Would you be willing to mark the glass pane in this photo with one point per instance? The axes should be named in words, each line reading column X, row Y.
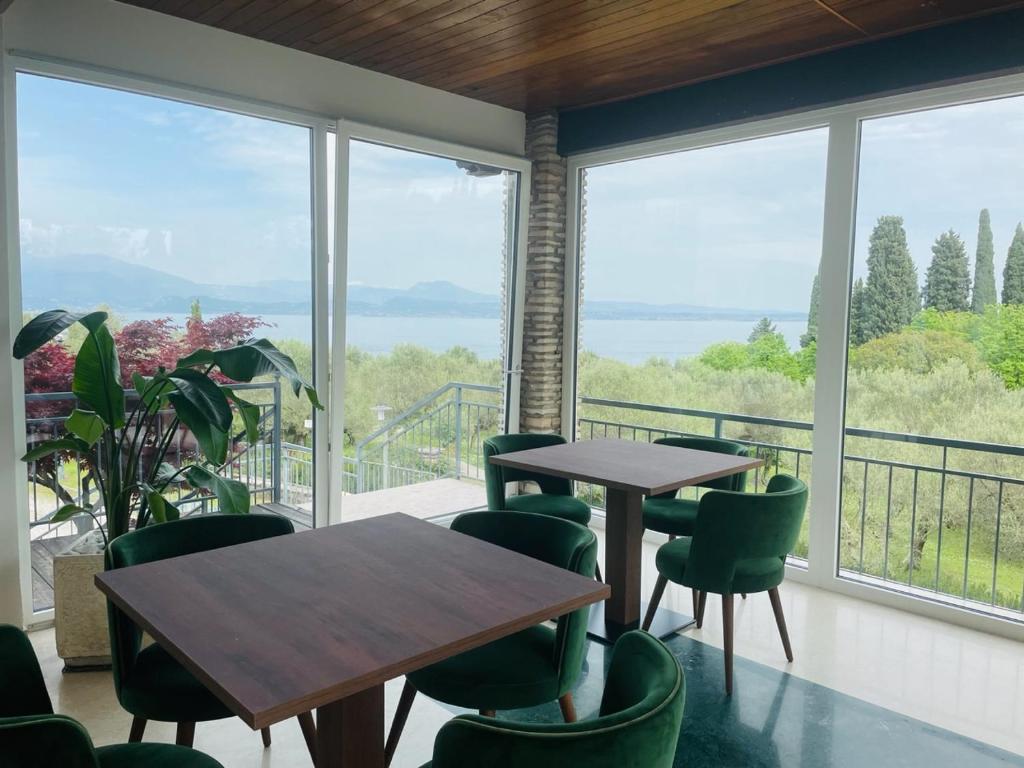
column 191, row 226
column 430, row 249
column 698, row 270
column 933, row 482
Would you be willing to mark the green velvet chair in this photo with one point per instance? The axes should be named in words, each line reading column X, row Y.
column 150, row 684
column 739, row 545
column 556, row 497
column 529, row 668
column 666, row 513
column 32, row 736
column 637, row 726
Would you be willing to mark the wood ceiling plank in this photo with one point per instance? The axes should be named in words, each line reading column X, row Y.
column 383, row 16
column 888, row 16
column 593, row 25
column 264, row 26
column 648, row 67
column 307, row 20
column 215, row 14
column 645, row 34
column 435, row 21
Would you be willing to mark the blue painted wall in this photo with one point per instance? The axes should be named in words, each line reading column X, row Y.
column 969, row 50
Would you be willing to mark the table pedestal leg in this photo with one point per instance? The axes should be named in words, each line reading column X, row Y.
column 624, row 536
column 350, row 732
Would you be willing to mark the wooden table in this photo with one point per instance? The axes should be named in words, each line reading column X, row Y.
column 629, row 470
column 322, row 619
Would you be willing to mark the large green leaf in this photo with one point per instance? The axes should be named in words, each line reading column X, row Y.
column 232, row 494
column 258, row 357
column 203, row 394
column 202, row 357
column 48, row 325
column 160, row 508
column 150, row 389
column 249, row 412
column 42, row 450
column 97, row 378
column 67, row 512
column 213, row 441
column 86, row 425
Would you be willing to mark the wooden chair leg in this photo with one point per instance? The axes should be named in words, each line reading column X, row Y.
column 727, row 627
column 568, row 708
column 701, row 603
column 488, row 713
column 743, row 595
column 652, row 607
column 186, row 734
column 780, row 620
column 308, row 726
column 138, row 728
column 597, row 572
column 398, row 724
column 695, row 594
column 265, row 733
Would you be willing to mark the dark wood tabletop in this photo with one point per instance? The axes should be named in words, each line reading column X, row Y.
column 628, row 465
column 281, row 626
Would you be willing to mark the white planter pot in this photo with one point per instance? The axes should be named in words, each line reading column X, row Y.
column 80, row 611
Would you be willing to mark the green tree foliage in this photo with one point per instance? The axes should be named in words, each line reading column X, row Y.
column 812, row 313
column 891, row 297
column 915, row 350
column 764, row 327
column 947, row 284
column 858, row 333
column 1000, row 336
column 984, row 292
column 767, row 351
column 1013, row 272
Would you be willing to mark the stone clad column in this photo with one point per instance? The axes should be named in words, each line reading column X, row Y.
column 541, row 395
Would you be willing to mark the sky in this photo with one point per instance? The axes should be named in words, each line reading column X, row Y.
column 222, row 198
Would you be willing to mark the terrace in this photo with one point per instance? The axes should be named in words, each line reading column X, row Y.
column 790, row 225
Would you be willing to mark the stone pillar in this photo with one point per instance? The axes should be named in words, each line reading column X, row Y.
column 541, row 395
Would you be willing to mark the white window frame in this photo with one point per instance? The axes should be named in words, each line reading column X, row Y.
column 16, row 63
column 348, row 131
column 843, row 158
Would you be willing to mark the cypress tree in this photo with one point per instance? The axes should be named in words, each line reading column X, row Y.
column 948, row 281
column 984, row 292
column 764, row 327
column 1013, row 272
column 812, row 313
column 890, row 298
column 857, row 314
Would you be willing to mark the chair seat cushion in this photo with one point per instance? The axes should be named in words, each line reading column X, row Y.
column 552, row 505
column 516, row 671
column 677, row 517
column 153, row 756
column 159, row 688
column 751, row 576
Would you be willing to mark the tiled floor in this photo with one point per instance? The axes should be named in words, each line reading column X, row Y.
column 858, row 654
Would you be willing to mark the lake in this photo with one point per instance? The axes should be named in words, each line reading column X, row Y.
column 632, row 341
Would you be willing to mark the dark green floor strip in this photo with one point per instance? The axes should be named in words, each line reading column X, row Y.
column 775, row 719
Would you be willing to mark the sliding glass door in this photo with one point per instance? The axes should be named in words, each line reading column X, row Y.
column 191, row 227
column 428, row 319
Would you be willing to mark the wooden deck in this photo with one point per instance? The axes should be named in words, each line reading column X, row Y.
column 434, row 498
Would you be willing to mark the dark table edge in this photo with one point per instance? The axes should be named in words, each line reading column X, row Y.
column 264, row 718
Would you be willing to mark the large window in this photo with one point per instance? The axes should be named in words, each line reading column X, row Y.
column 430, row 269
column 192, row 227
column 933, row 482
column 698, row 269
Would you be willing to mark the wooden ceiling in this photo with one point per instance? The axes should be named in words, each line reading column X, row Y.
column 533, row 55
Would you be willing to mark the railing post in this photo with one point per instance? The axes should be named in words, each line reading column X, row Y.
column 458, row 431
column 276, row 444
column 359, row 469
column 718, row 426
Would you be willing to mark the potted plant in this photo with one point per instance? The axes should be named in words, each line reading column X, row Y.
column 127, row 448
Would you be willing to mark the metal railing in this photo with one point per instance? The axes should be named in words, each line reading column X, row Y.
column 935, row 515
column 68, row 478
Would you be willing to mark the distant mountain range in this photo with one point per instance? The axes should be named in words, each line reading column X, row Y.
column 82, row 283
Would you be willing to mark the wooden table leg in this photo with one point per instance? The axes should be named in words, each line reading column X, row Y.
column 350, row 732
column 624, row 541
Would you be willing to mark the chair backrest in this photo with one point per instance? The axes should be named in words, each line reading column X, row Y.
column 553, row 540
column 737, row 482
column 45, row 740
column 734, row 527
column 180, row 537
column 638, row 726
column 497, row 477
column 22, row 688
